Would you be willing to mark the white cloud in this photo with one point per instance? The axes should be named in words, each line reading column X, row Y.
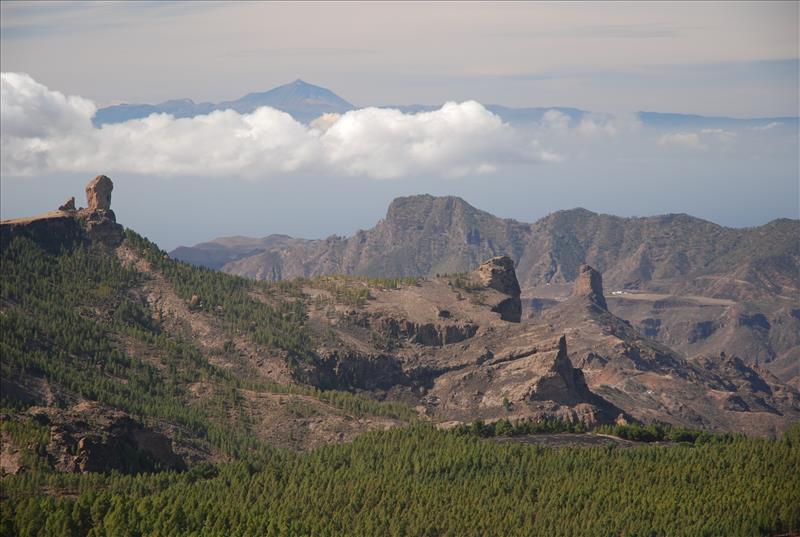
column 722, row 136
column 31, row 110
column 44, row 131
column 594, row 125
column 686, row 140
column 700, row 141
column 768, row 126
column 556, row 122
column 458, row 139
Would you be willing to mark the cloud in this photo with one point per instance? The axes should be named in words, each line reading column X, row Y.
column 722, row 136
column 30, row 110
column 458, row 139
column 555, row 122
column 699, row 141
column 686, row 140
column 768, row 126
column 593, row 125
column 45, row 131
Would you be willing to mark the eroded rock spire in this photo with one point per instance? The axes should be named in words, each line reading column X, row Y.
column 589, row 283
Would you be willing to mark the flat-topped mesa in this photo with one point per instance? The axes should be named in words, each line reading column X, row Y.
column 98, row 193
column 498, row 273
column 589, row 284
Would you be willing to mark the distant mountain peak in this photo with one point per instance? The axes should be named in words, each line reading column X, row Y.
column 408, row 209
column 300, row 99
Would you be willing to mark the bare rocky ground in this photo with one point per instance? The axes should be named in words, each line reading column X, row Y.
column 576, row 360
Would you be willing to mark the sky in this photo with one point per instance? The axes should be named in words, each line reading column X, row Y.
column 184, row 181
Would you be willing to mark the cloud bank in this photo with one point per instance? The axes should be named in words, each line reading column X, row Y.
column 700, row 140
column 45, row 131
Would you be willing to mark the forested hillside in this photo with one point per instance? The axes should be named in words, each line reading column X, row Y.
column 76, row 327
column 423, row 482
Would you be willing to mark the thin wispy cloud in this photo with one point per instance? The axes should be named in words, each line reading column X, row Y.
column 768, row 126
column 603, row 31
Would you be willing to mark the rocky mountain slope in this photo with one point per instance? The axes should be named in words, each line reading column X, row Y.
column 696, row 286
column 656, row 383
column 110, row 346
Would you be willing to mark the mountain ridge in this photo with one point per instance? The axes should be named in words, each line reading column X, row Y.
column 684, row 280
column 305, row 102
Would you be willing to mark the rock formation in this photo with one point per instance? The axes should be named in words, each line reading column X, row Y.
column 101, row 226
column 98, row 193
column 69, row 205
column 589, row 284
column 66, row 227
column 99, row 220
column 498, row 273
column 90, row 437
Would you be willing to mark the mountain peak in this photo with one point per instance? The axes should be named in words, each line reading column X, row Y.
column 300, row 99
column 410, row 211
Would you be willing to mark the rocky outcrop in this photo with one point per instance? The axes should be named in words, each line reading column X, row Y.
column 91, row 438
column 101, row 226
column 349, row 370
column 68, row 205
column 67, row 227
column 498, row 273
column 589, row 284
column 98, row 193
column 428, row 334
column 550, row 372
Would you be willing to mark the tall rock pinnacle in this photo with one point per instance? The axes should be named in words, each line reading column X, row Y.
column 98, row 193
column 589, row 283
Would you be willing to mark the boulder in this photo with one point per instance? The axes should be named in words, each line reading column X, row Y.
column 98, row 193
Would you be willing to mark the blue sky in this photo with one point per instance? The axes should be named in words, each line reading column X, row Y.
column 735, row 59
